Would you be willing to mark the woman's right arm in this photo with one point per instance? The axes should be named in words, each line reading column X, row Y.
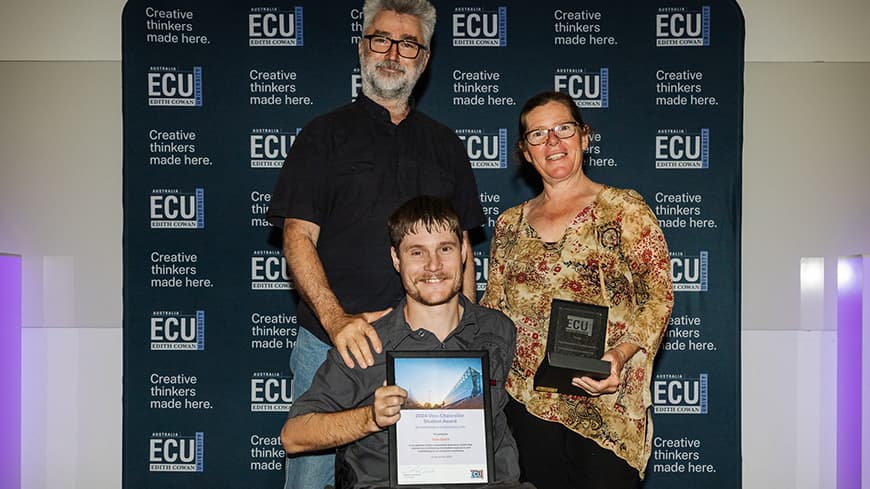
column 493, row 297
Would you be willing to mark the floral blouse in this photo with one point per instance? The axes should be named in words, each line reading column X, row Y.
column 612, row 254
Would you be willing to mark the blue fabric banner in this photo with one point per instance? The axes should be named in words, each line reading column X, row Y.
column 214, row 95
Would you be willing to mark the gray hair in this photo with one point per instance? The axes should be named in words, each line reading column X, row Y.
column 420, row 9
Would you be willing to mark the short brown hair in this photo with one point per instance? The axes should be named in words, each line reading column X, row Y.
column 433, row 213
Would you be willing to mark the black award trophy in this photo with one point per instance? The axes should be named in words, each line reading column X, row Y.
column 575, row 344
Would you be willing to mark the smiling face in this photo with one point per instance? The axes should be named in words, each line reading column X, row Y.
column 389, row 76
column 555, row 159
column 430, row 265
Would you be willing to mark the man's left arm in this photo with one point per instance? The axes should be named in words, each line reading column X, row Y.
column 469, row 278
column 465, row 201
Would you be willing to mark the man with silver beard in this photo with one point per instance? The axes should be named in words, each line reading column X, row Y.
column 345, row 174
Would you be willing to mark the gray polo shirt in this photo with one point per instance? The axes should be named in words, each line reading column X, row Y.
column 338, row 388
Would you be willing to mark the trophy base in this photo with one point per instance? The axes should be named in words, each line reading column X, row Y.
column 556, row 371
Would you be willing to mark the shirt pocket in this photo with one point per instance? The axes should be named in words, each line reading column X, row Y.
column 357, row 185
column 500, row 356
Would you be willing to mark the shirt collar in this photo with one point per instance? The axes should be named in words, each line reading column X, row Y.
column 468, row 321
column 467, row 328
column 378, row 112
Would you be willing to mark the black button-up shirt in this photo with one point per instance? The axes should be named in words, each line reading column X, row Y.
column 347, row 172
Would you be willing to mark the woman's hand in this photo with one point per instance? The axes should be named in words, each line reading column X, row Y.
column 608, row 385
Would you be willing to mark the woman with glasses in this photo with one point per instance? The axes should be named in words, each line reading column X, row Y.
column 582, row 241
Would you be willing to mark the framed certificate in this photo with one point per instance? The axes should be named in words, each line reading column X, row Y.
column 444, row 436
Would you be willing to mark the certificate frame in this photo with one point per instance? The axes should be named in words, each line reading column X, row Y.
column 445, row 442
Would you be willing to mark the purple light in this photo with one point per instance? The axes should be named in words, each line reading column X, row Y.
column 10, row 371
column 850, row 282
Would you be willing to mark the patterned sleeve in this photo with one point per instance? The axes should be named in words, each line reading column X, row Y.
column 646, row 251
column 494, row 297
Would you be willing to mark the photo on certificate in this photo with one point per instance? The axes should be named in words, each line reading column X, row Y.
column 444, row 435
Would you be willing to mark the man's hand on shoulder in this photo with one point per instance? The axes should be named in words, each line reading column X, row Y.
column 350, row 333
column 387, row 408
column 355, row 338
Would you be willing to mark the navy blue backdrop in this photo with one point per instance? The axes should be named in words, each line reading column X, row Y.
column 214, row 94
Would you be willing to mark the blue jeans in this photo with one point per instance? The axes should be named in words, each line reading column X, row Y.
column 307, row 471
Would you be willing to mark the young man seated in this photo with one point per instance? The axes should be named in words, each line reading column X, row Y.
column 354, row 406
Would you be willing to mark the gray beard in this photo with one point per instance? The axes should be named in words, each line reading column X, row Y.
column 383, row 88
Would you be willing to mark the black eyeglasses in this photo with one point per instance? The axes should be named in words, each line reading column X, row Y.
column 383, row 44
column 562, row 131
